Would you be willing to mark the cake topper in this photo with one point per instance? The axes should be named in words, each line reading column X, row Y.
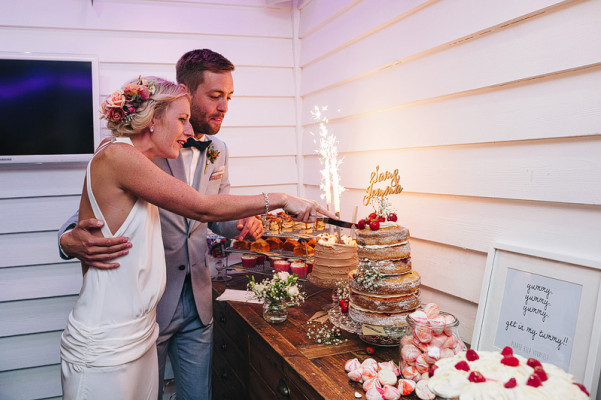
column 376, row 177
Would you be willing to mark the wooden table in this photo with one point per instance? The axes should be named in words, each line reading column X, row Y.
column 254, row 359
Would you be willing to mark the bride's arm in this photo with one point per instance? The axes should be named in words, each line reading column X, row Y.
column 139, row 176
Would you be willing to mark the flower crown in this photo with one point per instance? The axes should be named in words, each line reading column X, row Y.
column 123, row 103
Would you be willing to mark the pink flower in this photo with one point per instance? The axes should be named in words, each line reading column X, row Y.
column 144, row 93
column 131, row 90
column 116, row 100
column 115, row 114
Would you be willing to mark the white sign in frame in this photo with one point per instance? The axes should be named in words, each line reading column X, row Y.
column 501, row 303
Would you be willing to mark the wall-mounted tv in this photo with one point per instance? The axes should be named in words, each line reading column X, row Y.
column 48, row 108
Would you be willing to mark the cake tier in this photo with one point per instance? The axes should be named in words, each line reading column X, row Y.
column 393, row 267
column 385, row 303
column 374, row 318
column 325, row 281
column 395, row 251
column 389, row 284
column 382, row 236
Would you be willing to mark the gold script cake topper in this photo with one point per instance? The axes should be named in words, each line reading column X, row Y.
column 378, row 176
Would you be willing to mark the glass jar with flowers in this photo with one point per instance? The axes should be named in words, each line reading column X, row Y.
column 277, row 294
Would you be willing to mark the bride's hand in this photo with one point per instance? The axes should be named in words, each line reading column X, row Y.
column 303, row 209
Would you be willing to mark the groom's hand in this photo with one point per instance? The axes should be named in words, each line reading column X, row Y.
column 84, row 243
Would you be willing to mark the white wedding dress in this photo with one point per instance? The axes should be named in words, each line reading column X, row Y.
column 108, row 348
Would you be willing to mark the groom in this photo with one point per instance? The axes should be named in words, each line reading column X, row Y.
column 184, row 314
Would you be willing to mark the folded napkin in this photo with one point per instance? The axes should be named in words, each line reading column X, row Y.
column 243, row 296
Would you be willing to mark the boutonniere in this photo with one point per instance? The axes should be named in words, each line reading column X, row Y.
column 212, row 155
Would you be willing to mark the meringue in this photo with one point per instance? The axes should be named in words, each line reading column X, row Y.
column 387, row 377
column 351, row 365
column 423, row 392
column 406, row 386
column 391, row 393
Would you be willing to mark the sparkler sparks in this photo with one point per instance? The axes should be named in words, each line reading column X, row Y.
column 330, row 180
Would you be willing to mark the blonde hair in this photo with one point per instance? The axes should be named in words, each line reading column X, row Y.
column 165, row 93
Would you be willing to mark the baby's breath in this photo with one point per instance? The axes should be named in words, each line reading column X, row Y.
column 324, row 333
column 367, row 275
column 382, row 206
column 281, row 287
column 342, row 290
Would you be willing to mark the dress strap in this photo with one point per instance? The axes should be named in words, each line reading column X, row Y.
column 106, row 232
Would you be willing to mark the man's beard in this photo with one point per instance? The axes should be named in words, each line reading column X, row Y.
column 202, row 125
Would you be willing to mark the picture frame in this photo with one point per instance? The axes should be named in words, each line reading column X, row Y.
column 544, row 305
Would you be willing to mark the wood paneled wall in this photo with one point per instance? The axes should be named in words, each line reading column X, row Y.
column 488, row 109
column 130, row 37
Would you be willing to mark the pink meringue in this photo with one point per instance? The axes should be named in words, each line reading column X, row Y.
column 446, row 353
column 368, row 373
column 387, row 377
column 356, row 375
column 351, row 365
column 421, row 364
column 432, row 310
column 369, row 362
column 405, row 340
column 406, row 386
column 391, row 366
column 432, row 354
column 437, row 324
column 449, row 321
column 438, row 340
column 419, row 317
column 423, row 333
column 374, row 394
column 423, row 391
column 409, row 372
column 391, row 393
column 450, row 343
column 409, row 353
column 368, row 384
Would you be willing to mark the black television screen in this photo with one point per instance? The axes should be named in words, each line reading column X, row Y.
column 48, row 108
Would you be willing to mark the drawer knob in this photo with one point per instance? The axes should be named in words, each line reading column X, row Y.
column 224, row 375
column 222, row 317
column 282, row 388
column 223, row 346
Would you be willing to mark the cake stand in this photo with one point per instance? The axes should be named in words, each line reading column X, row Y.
column 343, row 321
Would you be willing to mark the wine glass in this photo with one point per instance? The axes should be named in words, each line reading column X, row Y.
column 216, row 249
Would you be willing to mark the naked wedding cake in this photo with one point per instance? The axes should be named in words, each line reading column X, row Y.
column 383, row 289
column 333, row 260
column 487, row 375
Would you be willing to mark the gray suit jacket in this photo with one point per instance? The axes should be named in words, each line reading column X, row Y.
column 185, row 240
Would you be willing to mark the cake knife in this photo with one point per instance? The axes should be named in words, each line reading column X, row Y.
column 332, row 221
column 338, row 222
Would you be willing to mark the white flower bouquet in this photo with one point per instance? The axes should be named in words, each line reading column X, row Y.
column 282, row 287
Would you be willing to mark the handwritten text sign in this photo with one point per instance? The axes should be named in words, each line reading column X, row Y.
column 378, row 176
column 538, row 317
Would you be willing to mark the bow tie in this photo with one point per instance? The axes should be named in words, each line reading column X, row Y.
column 200, row 145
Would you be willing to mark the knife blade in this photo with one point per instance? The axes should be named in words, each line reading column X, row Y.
column 332, row 221
column 338, row 222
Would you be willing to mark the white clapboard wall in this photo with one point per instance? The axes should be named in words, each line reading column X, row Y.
column 490, row 110
column 129, row 37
